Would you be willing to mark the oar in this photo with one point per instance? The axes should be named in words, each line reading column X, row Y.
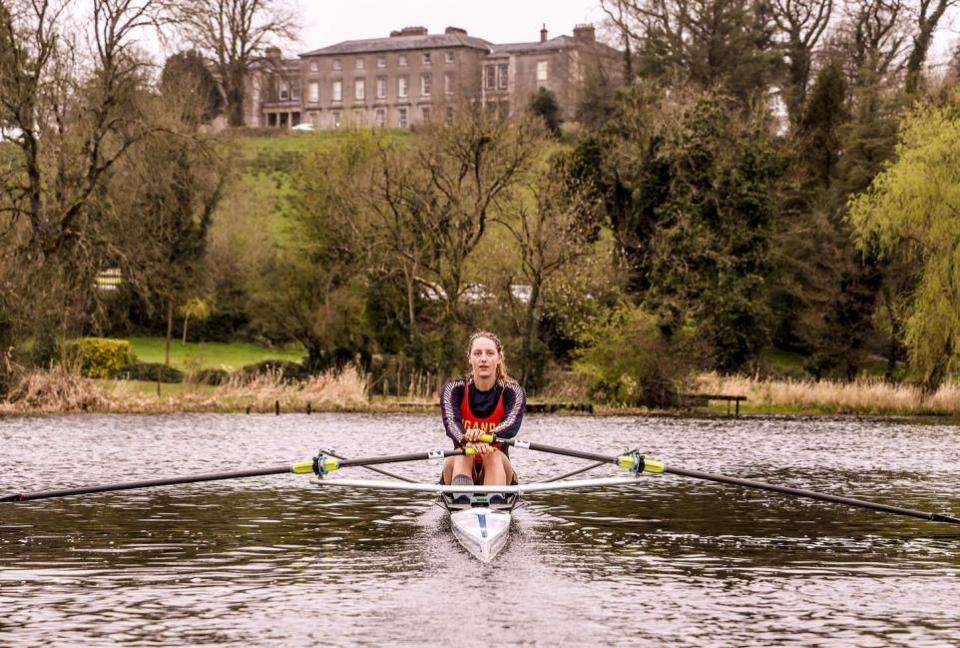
column 321, row 465
column 638, row 464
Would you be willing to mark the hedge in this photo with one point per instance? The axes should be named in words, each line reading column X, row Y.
column 99, row 356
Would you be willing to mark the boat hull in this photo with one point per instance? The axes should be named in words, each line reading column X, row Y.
column 482, row 531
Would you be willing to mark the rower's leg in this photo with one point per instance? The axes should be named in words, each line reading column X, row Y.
column 497, row 470
column 460, row 465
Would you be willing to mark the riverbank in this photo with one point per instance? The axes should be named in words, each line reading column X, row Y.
column 57, row 391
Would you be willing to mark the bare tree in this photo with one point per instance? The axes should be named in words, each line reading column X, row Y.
column 395, row 200
column 472, row 166
column 232, row 34
column 928, row 16
column 552, row 232
column 69, row 129
column 874, row 37
column 802, row 24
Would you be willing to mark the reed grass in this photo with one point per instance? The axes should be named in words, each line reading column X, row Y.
column 62, row 391
column 863, row 396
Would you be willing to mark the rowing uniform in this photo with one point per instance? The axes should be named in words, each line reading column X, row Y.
column 497, row 411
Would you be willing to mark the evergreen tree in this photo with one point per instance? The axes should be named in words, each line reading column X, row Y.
column 187, row 80
column 544, row 104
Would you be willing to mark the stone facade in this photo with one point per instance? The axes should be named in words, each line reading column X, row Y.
column 412, row 77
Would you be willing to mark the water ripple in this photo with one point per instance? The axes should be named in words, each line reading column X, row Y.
column 276, row 560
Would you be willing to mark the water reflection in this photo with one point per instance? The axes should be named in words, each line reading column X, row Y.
column 280, row 560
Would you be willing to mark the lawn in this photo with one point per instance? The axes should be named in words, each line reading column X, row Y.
column 212, row 355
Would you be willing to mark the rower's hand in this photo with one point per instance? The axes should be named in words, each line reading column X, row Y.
column 472, row 435
column 481, row 448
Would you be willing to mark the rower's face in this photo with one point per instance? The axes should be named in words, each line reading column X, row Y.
column 484, row 357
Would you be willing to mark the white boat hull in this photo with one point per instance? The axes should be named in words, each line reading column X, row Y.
column 482, row 531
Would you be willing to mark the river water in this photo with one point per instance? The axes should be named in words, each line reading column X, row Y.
column 280, row 561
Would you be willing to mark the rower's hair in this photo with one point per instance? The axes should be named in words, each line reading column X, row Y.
column 502, row 376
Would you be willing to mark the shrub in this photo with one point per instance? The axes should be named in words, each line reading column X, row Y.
column 211, row 376
column 290, row 370
column 630, row 361
column 151, row 371
column 98, row 356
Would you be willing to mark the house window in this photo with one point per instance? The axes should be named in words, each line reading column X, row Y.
column 490, row 77
column 337, row 65
column 426, row 83
column 338, row 90
column 381, row 117
column 427, row 58
column 403, row 86
column 295, row 89
column 358, row 118
column 313, row 66
column 284, row 90
column 502, row 71
column 449, row 115
column 313, row 88
column 542, row 70
column 402, row 117
column 381, row 61
column 315, row 119
column 381, row 87
column 448, row 83
column 359, row 63
column 402, row 60
column 425, row 113
column 359, row 89
column 449, row 57
column 335, row 115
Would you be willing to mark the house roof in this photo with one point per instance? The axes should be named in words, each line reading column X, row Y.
column 400, row 43
column 559, row 42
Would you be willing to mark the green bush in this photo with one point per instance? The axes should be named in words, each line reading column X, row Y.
column 98, row 357
column 291, row 370
column 151, row 371
column 211, row 376
column 630, row 361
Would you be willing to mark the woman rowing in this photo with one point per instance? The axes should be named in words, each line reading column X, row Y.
column 487, row 401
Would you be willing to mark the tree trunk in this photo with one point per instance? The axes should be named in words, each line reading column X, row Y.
column 233, row 89
column 186, row 318
column 169, row 331
column 411, row 312
column 529, row 334
column 938, row 372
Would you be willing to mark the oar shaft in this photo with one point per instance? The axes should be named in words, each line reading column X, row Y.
column 146, row 483
column 802, row 492
column 541, row 447
column 748, row 483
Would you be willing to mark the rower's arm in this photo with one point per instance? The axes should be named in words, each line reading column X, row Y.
column 514, row 405
column 450, row 396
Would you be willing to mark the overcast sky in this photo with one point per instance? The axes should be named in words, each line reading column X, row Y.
column 499, row 21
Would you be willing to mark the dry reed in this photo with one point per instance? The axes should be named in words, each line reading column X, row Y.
column 862, row 396
column 57, row 391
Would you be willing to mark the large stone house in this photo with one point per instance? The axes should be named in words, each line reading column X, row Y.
column 413, row 76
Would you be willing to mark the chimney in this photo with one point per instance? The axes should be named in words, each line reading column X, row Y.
column 543, row 33
column 410, row 31
column 585, row 32
column 455, row 30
